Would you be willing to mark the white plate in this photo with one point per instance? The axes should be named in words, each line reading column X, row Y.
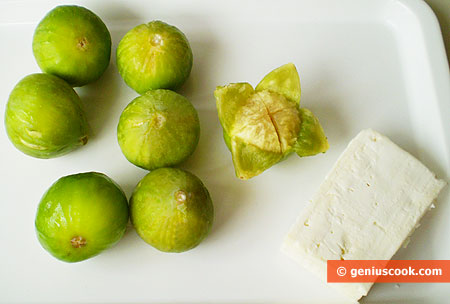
column 362, row 63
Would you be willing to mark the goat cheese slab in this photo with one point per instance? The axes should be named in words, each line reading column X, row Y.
column 367, row 207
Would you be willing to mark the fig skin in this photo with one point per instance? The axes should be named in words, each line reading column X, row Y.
column 158, row 129
column 80, row 216
column 171, row 210
column 154, row 55
column 284, row 81
column 44, row 117
column 73, row 43
column 311, row 138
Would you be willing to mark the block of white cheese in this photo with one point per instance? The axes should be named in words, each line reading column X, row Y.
column 367, row 207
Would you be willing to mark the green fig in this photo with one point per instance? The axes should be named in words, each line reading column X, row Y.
column 154, row 55
column 171, row 210
column 158, row 129
column 262, row 126
column 81, row 215
column 44, row 118
column 72, row 43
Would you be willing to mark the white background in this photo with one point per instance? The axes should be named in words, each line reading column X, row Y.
column 377, row 64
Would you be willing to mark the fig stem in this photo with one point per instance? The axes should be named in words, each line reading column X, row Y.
column 180, row 196
column 78, row 241
column 84, row 140
column 82, row 44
